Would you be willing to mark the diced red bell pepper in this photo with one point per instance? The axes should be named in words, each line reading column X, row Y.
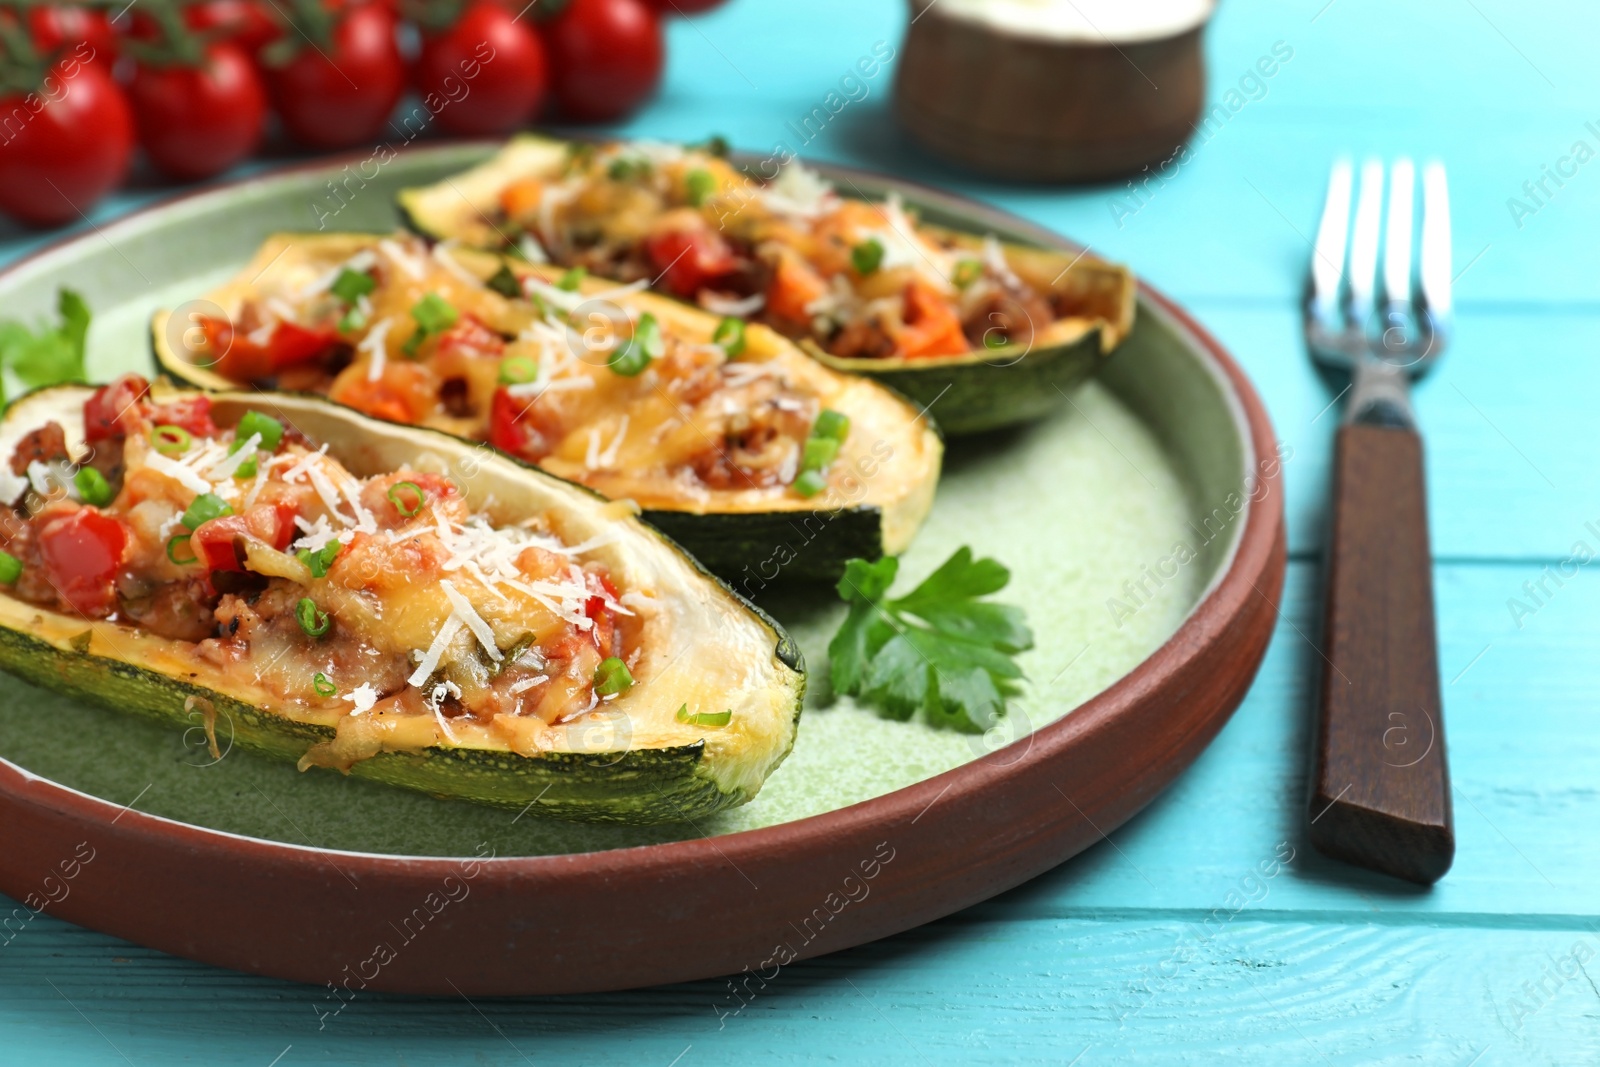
column 932, row 326
column 114, row 409
column 82, row 553
column 690, row 260
column 217, row 542
column 191, row 413
column 516, row 425
column 236, row 356
column 604, row 631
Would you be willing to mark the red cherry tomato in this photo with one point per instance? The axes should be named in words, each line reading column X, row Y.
column 605, row 57
column 484, row 75
column 684, row 7
column 689, row 260
column 64, row 29
column 195, row 122
column 113, row 408
column 70, row 148
column 82, row 553
column 334, row 98
column 246, row 23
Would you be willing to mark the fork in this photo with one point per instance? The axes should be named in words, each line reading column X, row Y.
column 1380, row 783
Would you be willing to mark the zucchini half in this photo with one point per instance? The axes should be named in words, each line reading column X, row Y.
column 702, row 645
column 983, row 389
column 880, row 488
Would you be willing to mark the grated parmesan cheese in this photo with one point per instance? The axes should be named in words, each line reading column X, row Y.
column 469, row 615
column 363, row 697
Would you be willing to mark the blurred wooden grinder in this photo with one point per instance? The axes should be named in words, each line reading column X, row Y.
column 1053, row 90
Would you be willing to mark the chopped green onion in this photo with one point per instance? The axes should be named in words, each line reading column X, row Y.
column 699, row 184
column 352, row 285
column 402, row 494
column 967, row 271
column 505, row 283
column 352, row 321
column 830, row 423
column 625, row 169
column 819, row 452
column 572, row 281
column 247, row 469
column 313, row 621
column 432, row 314
column 612, row 677
column 629, row 359
column 10, row 568
column 172, row 550
column 995, row 339
column 206, row 506
column 704, row 718
column 323, row 685
column 648, row 334
column 319, row 561
column 253, row 422
column 92, row 486
column 810, row 483
column 171, row 440
column 730, row 335
column 867, row 256
column 821, row 448
column 518, row 370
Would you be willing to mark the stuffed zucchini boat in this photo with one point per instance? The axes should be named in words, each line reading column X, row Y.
column 384, row 600
column 760, row 461
column 995, row 333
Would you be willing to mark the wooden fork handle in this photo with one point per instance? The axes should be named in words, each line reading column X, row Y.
column 1380, row 784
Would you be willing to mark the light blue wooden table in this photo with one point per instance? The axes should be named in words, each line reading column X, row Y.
column 1106, row 958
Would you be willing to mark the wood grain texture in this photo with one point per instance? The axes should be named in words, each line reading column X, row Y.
column 1380, row 779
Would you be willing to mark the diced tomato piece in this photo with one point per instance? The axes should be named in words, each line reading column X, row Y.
column 404, row 392
column 604, row 631
column 690, row 260
column 82, row 553
column 794, row 286
column 519, row 426
column 521, row 199
column 932, row 326
column 191, row 413
column 470, row 337
column 114, row 410
column 217, row 542
column 236, row 356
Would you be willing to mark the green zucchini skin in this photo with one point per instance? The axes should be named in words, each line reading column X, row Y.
column 636, row 786
column 974, row 396
column 640, row 786
column 751, row 551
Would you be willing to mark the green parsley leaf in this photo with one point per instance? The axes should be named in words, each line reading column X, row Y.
column 938, row 649
column 51, row 353
column 352, row 285
column 505, row 283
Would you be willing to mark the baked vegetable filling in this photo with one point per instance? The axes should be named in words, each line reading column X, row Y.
column 256, row 551
column 585, row 385
column 861, row 280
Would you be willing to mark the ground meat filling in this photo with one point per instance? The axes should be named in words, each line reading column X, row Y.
column 366, row 596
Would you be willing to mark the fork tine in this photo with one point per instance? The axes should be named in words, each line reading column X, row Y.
column 1327, row 257
column 1435, row 242
column 1397, row 237
column 1364, row 243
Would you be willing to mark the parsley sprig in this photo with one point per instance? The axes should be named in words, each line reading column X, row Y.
column 939, row 648
column 48, row 353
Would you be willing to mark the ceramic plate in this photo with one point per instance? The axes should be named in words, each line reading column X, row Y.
column 1143, row 525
